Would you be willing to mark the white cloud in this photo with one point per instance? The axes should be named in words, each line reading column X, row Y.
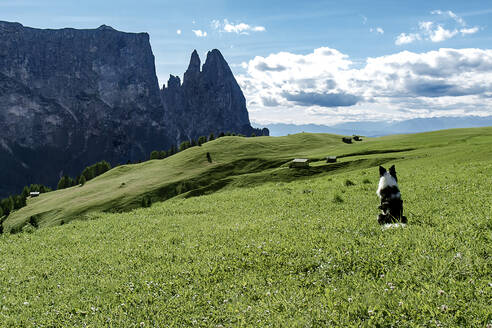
column 377, row 30
column 450, row 14
column 471, row 30
column 240, row 28
column 324, row 86
column 439, row 33
column 200, row 33
column 436, row 32
column 404, row 38
column 178, row 32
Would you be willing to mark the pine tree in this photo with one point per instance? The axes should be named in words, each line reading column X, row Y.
column 184, row 145
column 26, row 192
column 62, row 183
column 1, row 214
column 154, row 155
column 82, row 180
column 106, row 166
column 162, row 154
column 221, row 135
column 211, row 137
column 202, row 140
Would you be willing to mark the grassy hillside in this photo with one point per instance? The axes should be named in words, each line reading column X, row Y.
column 292, row 249
column 237, row 161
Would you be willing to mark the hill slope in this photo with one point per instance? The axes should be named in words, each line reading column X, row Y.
column 236, row 161
column 304, row 253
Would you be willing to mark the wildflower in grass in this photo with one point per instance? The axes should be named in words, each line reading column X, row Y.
column 400, row 303
column 370, row 312
column 440, row 292
column 444, row 308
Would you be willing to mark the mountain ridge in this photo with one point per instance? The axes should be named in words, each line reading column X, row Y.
column 70, row 98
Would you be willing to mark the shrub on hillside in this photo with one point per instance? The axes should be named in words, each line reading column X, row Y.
column 349, row 183
column 146, row 201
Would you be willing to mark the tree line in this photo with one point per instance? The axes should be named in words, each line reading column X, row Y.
column 161, row 154
column 89, row 173
column 15, row 202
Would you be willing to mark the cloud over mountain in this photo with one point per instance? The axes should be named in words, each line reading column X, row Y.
column 320, row 84
column 240, row 28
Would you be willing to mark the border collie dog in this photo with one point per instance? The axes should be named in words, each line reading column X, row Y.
column 391, row 204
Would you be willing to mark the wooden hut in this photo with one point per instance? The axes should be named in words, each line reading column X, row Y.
column 299, row 163
column 331, row 159
column 34, row 193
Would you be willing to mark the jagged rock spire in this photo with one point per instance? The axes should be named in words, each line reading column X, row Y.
column 193, row 68
column 174, row 82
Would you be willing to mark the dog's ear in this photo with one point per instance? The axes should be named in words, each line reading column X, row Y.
column 382, row 171
column 392, row 171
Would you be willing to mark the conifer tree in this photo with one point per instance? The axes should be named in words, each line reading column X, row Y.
column 25, row 192
column 82, row 180
column 62, row 183
column 162, row 154
column 211, row 137
column 202, row 140
column 154, row 155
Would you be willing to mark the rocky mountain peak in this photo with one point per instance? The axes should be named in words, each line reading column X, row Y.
column 105, row 28
column 211, row 97
column 174, row 82
column 193, row 68
column 216, row 68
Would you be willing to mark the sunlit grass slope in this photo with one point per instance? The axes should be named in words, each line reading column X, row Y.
column 236, row 161
column 303, row 253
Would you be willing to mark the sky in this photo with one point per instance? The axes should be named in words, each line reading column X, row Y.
column 323, row 62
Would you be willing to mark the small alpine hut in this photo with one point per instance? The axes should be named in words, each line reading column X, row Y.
column 34, row 193
column 299, row 163
column 357, row 138
column 331, row 159
column 347, row 140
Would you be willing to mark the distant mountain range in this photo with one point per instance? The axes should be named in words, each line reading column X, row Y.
column 376, row 129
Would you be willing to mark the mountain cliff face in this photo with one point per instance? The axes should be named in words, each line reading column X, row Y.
column 209, row 100
column 70, row 98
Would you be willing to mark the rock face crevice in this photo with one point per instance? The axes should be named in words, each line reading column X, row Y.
column 70, row 98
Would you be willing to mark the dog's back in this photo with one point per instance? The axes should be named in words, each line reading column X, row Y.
column 390, row 196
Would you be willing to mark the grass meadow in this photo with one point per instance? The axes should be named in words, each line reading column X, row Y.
column 264, row 245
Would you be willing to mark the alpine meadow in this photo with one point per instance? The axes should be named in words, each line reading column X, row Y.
column 244, row 240
column 225, row 164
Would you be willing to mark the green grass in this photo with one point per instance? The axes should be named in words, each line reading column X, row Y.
column 271, row 246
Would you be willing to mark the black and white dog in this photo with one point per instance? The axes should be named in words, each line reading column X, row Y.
column 391, row 204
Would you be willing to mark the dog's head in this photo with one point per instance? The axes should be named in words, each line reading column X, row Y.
column 387, row 181
column 392, row 172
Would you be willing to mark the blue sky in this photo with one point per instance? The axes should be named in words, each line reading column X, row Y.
column 267, row 44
